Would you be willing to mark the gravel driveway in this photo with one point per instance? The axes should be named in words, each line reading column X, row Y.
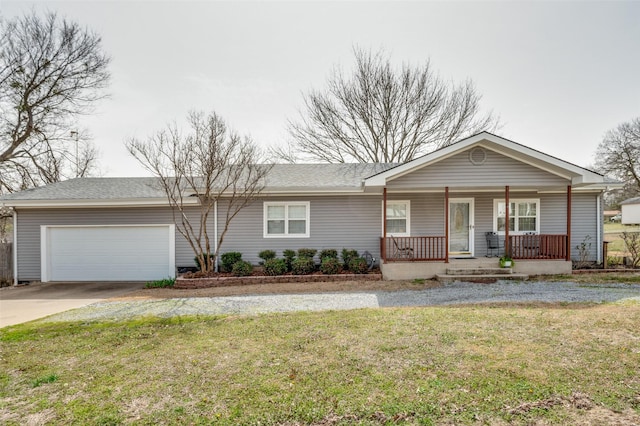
column 448, row 294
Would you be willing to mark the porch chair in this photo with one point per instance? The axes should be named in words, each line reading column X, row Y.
column 401, row 252
column 495, row 244
column 531, row 243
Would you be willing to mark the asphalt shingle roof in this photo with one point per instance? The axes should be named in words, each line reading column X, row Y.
column 290, row 177
column 635, row 200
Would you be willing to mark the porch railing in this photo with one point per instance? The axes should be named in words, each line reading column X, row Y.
column 433, row 248
column 538, row 246
column 413, row 249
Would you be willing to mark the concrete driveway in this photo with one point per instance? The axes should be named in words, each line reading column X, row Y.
column 25, row 303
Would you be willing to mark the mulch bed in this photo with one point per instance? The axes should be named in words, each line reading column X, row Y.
column 224, row 280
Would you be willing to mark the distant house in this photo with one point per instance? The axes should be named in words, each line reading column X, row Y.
column 416, row 218
column 609, row 214
column 631, row 211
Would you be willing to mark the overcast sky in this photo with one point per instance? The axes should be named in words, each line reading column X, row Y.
column 559, row 74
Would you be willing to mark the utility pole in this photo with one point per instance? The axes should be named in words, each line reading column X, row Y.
column 74, row 135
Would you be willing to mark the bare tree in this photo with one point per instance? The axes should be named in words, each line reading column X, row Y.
column 618, row 156
column 381, row 114
column 210, row 165
column 51, row 71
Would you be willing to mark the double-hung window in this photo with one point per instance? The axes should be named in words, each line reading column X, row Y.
column 524, row 216
column 286, row 219
column 398, row 218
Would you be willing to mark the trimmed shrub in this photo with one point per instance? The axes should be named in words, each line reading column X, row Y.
column 328, row 254
column 330, row 265
column 303, row 266
column 242, row 268
column 347, row 256
column 229, row 259
column 358, row 265
column 289, row 255
column 266, row 255
column 197, row 261
column 307, row 252
column 275, row 267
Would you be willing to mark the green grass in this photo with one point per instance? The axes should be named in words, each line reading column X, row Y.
column 471, row 365
column 165, row 282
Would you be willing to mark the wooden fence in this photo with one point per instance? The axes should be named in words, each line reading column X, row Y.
column 6, row 264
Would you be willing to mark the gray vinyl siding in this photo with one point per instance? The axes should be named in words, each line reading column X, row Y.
column 336, row 222
column 29, row 222
column 584, row 223
column 458, row 171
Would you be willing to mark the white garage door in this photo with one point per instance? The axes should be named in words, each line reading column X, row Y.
column 108, row 253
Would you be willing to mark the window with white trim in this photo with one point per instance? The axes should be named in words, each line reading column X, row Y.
column 524, row 216
column 398, row 218
column 286, row 219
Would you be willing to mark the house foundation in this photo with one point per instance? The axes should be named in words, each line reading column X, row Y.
column 414, row 270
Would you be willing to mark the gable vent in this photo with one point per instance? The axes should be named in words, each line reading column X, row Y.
column 477, row 156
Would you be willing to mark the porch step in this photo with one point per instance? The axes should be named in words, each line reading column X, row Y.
column 479, row 271
column 480, row 275
column 480, row 278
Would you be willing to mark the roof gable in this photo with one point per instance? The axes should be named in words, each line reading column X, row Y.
column 575, row 174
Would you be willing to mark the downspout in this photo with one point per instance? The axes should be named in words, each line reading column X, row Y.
column 598, row 230
column 15, row 247
column 568, row 259
column 215, row 234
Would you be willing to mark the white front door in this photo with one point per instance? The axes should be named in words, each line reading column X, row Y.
column 461, row 227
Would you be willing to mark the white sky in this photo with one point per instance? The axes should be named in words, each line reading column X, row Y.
column 559, row 74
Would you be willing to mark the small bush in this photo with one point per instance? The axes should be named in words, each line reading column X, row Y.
column 275, row 267
column 614, row 261
column 632, row 243
column 266, row 255
column 165, row 282
column 229, row 259
column 358, row 265
column 330, row 265
column 303, row 266
column 347, row 256
column 307, row 252
column 328, row 253
column 242, row 268
column 289, row 255
column 197, row 261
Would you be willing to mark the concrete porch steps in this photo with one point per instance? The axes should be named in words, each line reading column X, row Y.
column 479, row 275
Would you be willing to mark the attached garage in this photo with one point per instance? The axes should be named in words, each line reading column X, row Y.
column 107, row 253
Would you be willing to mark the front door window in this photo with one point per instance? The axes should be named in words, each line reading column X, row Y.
column 461, row 227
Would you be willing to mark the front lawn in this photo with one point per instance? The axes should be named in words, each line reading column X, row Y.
column 463, row 365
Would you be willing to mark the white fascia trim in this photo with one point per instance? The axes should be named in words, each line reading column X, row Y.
column 157, row 202
column 312, row 192
column 584, row 174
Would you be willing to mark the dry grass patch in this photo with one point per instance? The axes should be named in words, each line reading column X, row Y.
column 462, row 365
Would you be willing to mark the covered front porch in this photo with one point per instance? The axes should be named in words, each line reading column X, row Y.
column 474, row 231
